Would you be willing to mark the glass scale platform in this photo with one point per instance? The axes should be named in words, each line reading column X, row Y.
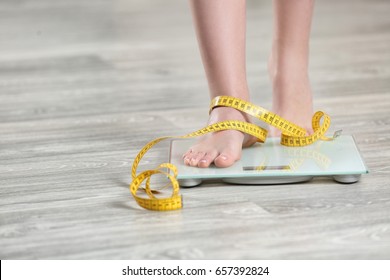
column 272, row 163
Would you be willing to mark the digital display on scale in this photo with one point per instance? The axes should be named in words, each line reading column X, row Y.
column 266, row 167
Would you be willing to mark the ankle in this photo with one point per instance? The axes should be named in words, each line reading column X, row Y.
column 284, row 82
column 238, row 89
column 241, row 94
column 219, row 114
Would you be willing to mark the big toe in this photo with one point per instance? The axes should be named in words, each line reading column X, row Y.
column 206, row 161
column 225, row 160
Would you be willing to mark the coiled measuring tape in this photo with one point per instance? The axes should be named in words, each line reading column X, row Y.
column 292, row 136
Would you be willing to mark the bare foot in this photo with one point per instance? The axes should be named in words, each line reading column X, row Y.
column 223, row 148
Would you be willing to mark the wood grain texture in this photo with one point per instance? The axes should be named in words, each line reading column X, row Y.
column 84, row 84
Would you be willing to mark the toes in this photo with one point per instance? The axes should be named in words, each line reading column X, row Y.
column 207, row 159
column 194, row 158
column 187, row 160
column 187, row 157
column 222, row 149
column 186, row 154
column 199, row 159
column 224, row 160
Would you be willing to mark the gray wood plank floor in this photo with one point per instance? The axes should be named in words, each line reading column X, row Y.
column 84, row 84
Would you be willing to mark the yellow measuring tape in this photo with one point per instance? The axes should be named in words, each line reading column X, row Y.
column 292, row 136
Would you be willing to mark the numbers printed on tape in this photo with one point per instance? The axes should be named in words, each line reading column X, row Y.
column 292, row 136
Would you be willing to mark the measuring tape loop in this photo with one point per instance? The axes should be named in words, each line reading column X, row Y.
column 292, row 136
column 159, row 204
column 259, row 113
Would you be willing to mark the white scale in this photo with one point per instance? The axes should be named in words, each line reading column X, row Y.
column 272, row 163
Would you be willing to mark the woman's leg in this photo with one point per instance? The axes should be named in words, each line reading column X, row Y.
column 220, row 27
column 288, row 64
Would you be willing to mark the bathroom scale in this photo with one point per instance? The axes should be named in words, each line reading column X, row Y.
column 272, row 163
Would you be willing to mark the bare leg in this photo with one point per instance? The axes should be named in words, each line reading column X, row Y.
column 288, row 64
column 220, row 27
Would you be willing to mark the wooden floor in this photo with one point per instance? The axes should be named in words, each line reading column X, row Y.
column 84, row 84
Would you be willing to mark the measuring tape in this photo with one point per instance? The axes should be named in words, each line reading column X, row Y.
column 292, row 136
